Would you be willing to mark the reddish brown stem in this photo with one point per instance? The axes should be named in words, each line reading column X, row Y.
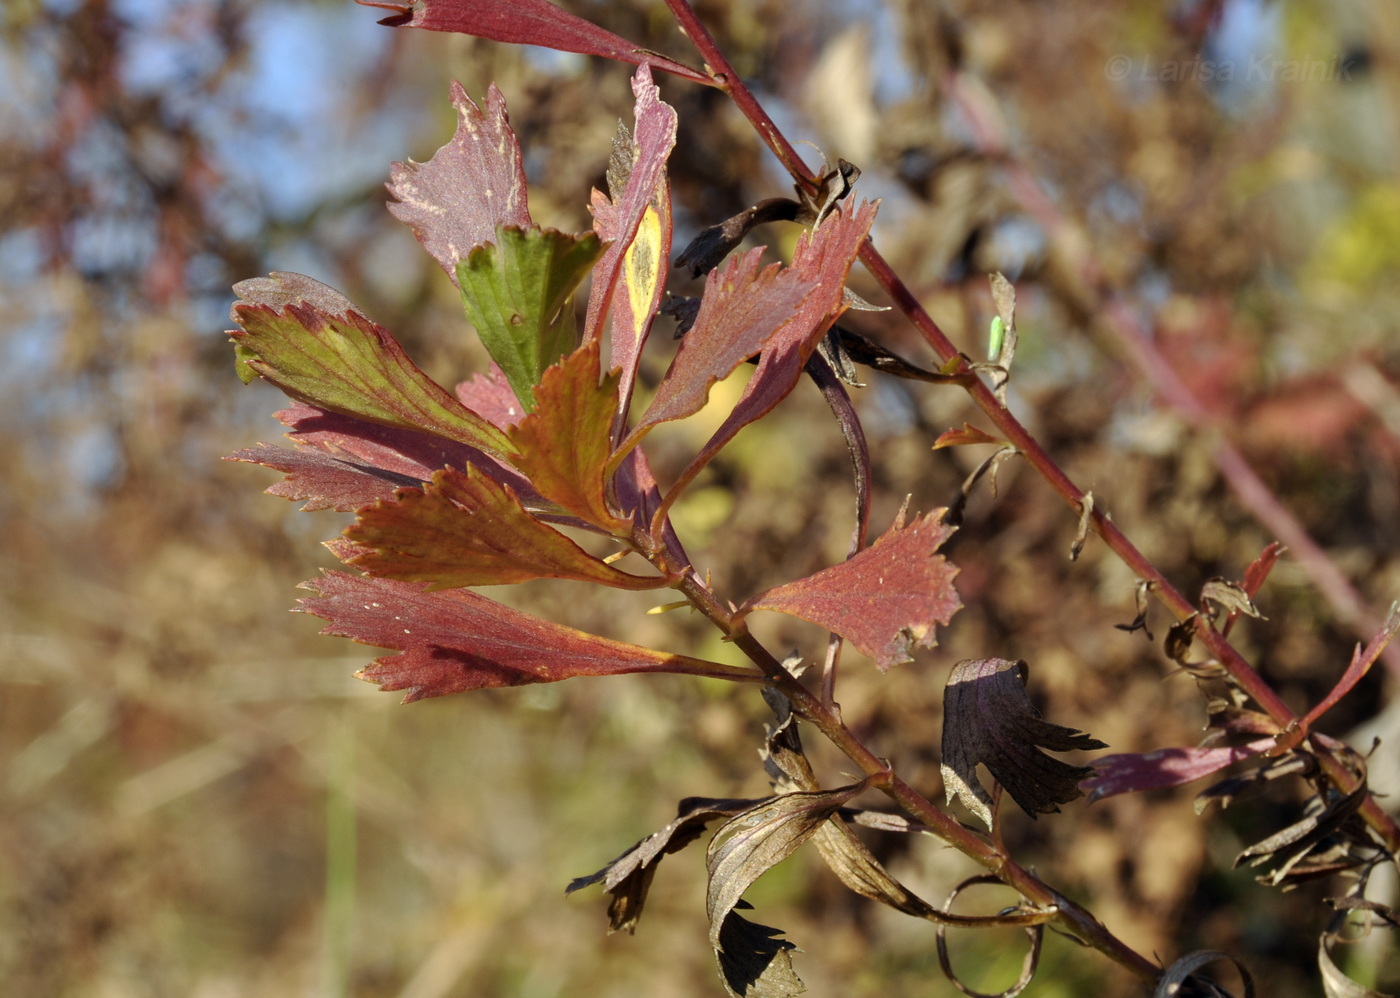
column 1011, row 428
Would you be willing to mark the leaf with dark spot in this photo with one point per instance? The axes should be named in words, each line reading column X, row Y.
column 458, row 640
column 988, row 718
column 635, row 220
column 885, row 599
column 628, row 877
column 517, row 292
column 472, row 186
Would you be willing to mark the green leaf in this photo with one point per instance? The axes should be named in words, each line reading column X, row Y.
column 351, row 365
column 516, row 292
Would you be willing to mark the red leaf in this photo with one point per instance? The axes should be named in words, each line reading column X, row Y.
column 1361, row 661
column 823, row 257
column 637, row 223
column 343, row 463
column 884, row 600
column 969, row 434
column 475, row 183
column 454, row 641
column 1259, row 569
column 526, row 22
column 463, row 529
column 322, row 481
column 490, row 396
column 1168, row 767
column 566, row 442
column 743, row 308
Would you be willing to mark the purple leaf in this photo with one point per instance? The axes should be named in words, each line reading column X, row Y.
column 455, row 641
column 343, row 463
column 886, row 599
column 526, row 22
column 471, row 186
column 1168, row 767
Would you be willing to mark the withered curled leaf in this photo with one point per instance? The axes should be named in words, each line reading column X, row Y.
column 988, row 718
column 628, row 877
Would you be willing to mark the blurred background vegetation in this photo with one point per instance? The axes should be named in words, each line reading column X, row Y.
column 197, row 799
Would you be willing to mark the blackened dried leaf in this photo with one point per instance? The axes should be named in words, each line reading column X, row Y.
column 754, row 962
column 988, row 718
column 852, row 862
column 886, row 599
column 1287, row 848
column 751, row 843
column 1385, row 912
column 708, row 249
column 628, row 877
column 1179, row 980
column 472, row 186
column 835, row 186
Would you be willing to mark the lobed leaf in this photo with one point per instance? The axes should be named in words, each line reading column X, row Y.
column 458, row 640
column 469, row 188
column 464, row 529
column 988, row 718
column 885, row 599
column 517, row 292
column 823, row 257
column 489, row 395
column 744, row 306
column 347, row 364
column 564, row 445
column 527, row 22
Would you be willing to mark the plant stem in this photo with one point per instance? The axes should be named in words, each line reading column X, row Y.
column 1015, row 433
column 826, row 718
